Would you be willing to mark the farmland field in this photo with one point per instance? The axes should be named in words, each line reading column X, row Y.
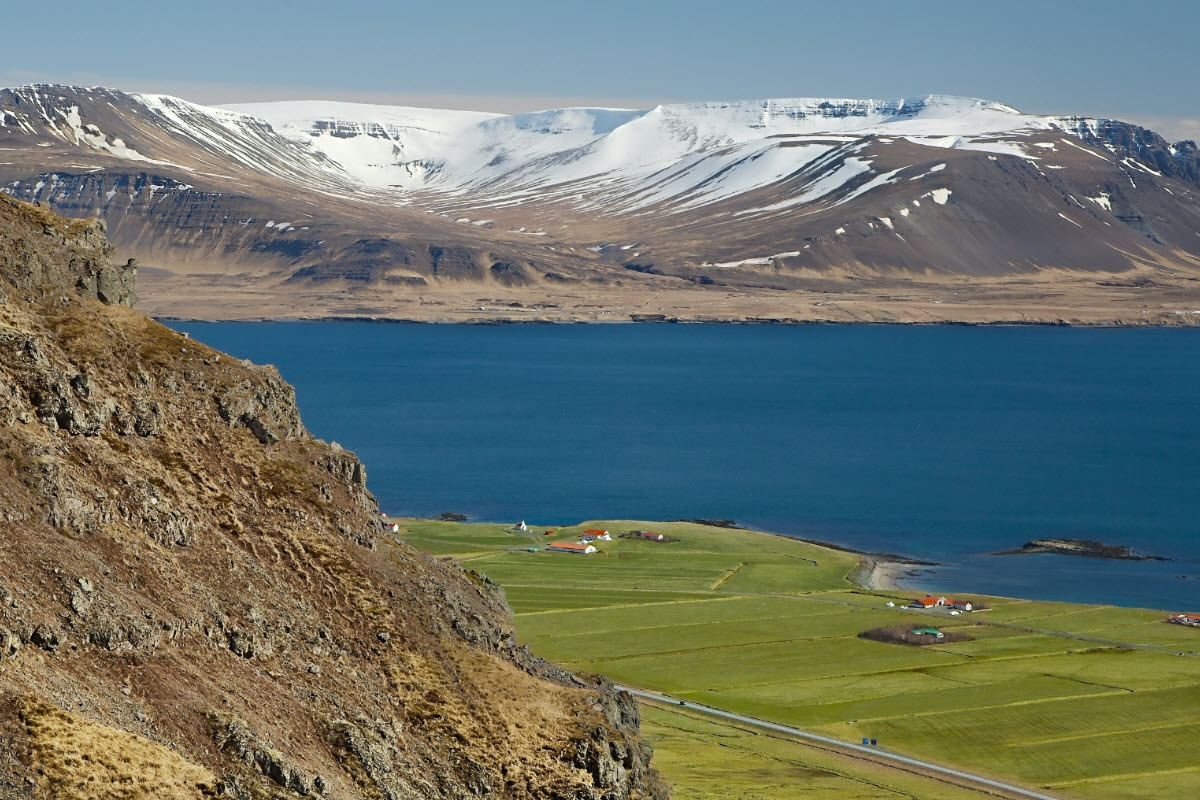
column 1082, row 701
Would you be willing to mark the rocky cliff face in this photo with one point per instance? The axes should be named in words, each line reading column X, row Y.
column 195, row 598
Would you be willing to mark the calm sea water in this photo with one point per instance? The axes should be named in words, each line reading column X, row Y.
column 946, row 443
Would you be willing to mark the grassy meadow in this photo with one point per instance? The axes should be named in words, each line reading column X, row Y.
column 1084, row 701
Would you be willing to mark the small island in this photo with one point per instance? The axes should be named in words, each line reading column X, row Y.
column 1088, row 548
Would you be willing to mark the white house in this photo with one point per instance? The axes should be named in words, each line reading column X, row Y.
column 521, row 526
column 594, row 534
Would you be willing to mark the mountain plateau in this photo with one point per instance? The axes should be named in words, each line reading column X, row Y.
column 921, row 209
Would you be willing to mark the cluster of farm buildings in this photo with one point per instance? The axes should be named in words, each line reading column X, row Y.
column 930, row 601
column 586, row 543
column 1191, row 620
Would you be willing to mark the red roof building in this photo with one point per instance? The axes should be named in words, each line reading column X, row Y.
column 572, row 547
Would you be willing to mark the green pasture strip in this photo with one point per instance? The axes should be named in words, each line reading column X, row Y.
column 573, row 570
column 1027, row 645
column 1090, row 620
column 536, row 600
column 784, row 575
column 857, row 597
column 677, row 638
column 1039, row 742
column 1020, row 611
column 763, row 663
column 794, row 693
column 1137, row 751
column 708, row 761
column 1165, row 784
column 710, row 608
column 938, row 700
column 442, row 547
column 1179, row 637
column 1123, row 669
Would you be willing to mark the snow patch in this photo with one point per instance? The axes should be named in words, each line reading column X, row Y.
column 939, row 196
column 931, row 170
column 760, row 261
column 1104, row 200
column 1068, row 219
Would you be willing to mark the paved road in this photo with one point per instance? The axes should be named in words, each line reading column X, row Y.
column 874, row 752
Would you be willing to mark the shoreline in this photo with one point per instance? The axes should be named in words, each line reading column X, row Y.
column 657, row 319
column 879, row 572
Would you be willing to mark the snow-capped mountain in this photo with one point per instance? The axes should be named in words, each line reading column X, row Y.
column 713, row 193
column 681, row 155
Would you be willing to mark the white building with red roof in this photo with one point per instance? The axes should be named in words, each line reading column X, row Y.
column 581, row 548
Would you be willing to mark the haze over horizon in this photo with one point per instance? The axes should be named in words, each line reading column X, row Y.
column 1068, row 58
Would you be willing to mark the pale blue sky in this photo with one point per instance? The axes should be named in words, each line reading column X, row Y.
column 1134, row 60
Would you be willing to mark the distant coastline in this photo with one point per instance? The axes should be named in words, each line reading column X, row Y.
column 1174, row 321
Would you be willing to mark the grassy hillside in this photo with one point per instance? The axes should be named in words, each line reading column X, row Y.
column 1087, row 701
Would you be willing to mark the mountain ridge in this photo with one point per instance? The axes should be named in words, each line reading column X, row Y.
column 330, row 208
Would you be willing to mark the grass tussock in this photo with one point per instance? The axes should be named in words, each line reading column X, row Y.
column 84, row 760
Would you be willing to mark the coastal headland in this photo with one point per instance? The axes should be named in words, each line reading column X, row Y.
column 772, row 628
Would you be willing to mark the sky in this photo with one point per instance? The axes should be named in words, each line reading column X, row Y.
column 1131, row 61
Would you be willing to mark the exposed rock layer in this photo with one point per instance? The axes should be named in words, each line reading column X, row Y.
column 188, row 570
column 1062, row 218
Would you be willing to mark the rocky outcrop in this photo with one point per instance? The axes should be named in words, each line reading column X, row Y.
column 46, row 255
column 188, row 572
column 1180, row 160
column 1086, row 548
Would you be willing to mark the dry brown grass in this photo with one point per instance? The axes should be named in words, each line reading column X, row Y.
column 84, row 760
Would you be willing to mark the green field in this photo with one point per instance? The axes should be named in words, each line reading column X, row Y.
column 1049, row 695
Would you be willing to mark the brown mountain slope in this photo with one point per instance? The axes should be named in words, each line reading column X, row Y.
column 194, row 600
column 1027, row 219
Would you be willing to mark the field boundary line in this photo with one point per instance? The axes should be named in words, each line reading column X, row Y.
column 1014, row 703
column 621, row 605
column 1125, row 777
column 625, row 629
column 1102, row 734
column 729, row 574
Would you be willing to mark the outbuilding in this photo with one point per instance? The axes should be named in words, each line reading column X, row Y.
column 928, row 602
column 593, row 533
column 572, row 547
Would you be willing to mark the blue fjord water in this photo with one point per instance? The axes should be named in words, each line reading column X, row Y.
column 946, row 443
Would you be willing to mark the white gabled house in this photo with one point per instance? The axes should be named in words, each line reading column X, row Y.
column 593, row 534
